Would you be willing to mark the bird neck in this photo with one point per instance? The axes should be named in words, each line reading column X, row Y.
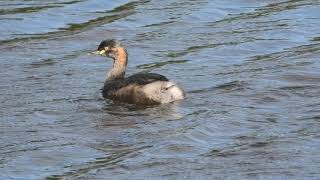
column 119, row 64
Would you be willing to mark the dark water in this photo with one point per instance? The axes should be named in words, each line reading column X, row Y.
column 250, row 70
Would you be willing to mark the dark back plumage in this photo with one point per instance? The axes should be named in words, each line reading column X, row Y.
column 136, row 79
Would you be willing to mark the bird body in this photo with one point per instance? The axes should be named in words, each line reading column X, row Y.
column 141, row 88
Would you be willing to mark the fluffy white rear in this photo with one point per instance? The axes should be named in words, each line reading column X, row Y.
column 163, row 91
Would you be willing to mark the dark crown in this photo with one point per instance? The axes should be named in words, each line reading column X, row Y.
column 111, row 43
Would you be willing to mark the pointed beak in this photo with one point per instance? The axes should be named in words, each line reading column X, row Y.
column 102, row 52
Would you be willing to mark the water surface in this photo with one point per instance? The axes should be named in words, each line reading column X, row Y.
column 250, row 70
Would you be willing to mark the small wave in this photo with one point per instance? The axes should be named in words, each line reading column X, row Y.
column 155, row 65
column 226, row 87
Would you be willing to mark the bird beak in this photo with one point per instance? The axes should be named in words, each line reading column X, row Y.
column 102, row 52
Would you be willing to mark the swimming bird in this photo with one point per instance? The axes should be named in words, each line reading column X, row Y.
column 141, row 88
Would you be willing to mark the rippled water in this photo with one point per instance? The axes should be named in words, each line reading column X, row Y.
column 250, row 70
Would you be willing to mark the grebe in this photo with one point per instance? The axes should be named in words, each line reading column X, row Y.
column 141, row 88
